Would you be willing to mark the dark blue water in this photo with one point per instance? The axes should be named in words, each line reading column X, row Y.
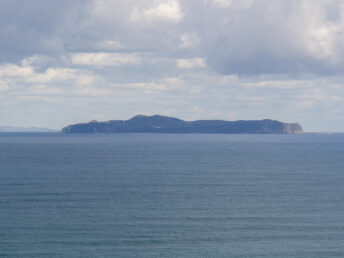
column 171, row 195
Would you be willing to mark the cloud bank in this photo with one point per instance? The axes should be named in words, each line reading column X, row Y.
column 230, row 59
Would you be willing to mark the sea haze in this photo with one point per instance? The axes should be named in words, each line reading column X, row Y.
column 166, row 195
column 13, row 129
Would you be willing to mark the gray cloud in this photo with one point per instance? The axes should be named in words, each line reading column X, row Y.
column 285, row 37
column 36, row 27
column 231, row 59
column 236, row 37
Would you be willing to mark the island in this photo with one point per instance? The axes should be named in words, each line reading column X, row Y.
column 164, row 124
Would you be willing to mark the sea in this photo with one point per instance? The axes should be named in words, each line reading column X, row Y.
column 171, row 195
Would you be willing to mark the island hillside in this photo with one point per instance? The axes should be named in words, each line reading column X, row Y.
column 164, row 124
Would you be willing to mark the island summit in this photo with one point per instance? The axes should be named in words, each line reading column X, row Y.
column 164, row 124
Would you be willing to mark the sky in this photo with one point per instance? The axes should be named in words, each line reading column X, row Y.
column 71, row 61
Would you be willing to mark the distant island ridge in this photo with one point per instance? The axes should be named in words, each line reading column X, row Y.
column 165, row 124
column 15, row 129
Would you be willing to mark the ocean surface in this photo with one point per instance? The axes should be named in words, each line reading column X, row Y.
column 156, row 195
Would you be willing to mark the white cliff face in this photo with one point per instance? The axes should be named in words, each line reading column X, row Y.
column 293, row 128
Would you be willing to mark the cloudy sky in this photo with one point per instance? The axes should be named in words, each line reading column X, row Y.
column 68, row 61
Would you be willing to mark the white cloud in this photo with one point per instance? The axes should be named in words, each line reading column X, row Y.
column 94, row 91
column 230, row 3
column 221, row 3
column 168, row 10
column 161, row 85
column 191, row 63
column 148, row 86
column 277, row 84
column 173, row 81
column 3, row 87
column 105, row 59
column 318, row 36
column 43, row 90
column 25, row 74
column 12, row 70
column 189, row 40
column 109, row 45
column 53, row 74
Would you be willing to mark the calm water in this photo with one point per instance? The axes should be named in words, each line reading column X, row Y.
column 147, row 195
